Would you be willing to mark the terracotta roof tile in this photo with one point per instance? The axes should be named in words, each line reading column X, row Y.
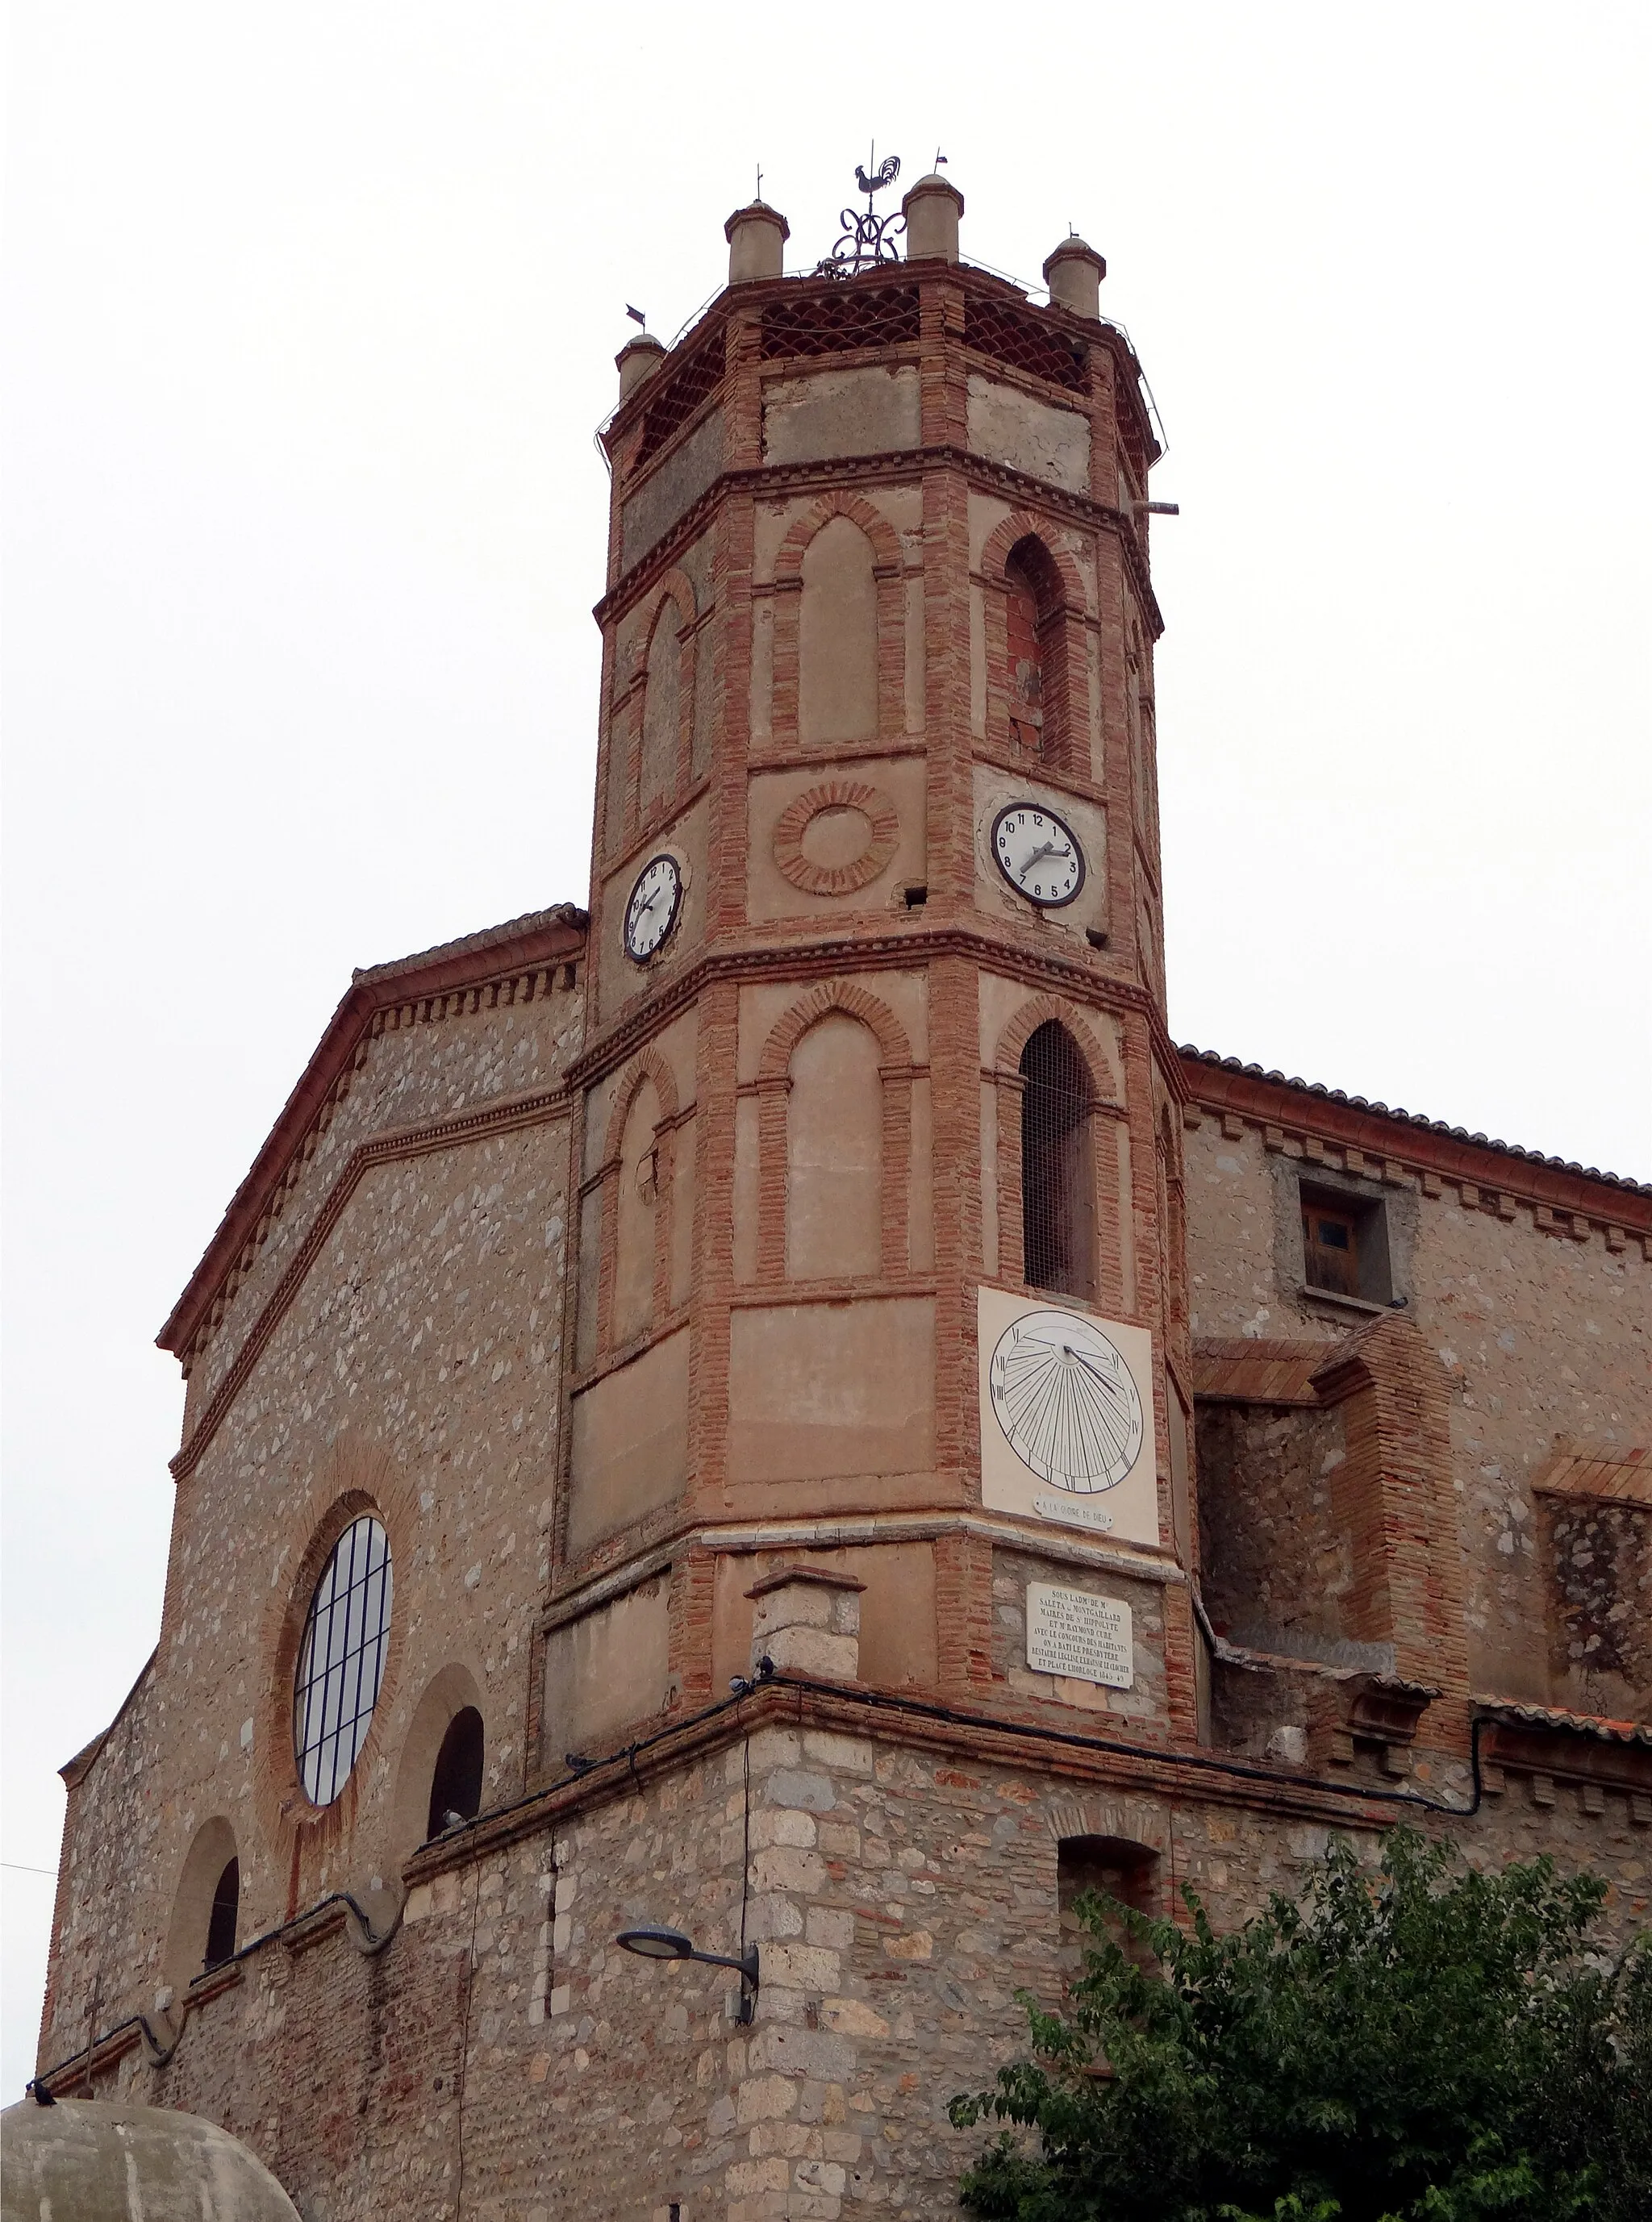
column 1227, row 1369
column 1613, row 1476
column 1410, row 1118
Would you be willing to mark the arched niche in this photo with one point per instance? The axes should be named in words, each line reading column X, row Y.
column 837, row 685
column 668, row 690
column 1037, row 676
column 212, row 1852
column 445, row 1696
column 834, row 1152
column 637, row 1205
column 1112, row 1867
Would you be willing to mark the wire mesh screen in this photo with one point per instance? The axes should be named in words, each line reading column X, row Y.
column 1057, row 1165
column 341, row 1658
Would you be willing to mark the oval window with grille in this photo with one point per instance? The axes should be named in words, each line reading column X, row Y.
column 341, row 1658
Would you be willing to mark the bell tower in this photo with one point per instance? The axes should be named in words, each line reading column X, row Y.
column 879, row 1268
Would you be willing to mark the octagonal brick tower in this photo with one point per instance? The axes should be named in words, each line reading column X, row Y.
column 877, row 1085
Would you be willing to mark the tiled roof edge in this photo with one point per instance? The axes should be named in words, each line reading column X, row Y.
column 1410, row 1118
column 531, row 921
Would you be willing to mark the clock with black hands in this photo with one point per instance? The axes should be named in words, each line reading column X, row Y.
column 1039, row 854
column 652, row 911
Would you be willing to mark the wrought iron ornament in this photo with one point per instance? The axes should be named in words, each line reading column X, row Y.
column 867, row 238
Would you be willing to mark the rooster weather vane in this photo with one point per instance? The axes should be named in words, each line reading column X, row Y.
column 867, row 238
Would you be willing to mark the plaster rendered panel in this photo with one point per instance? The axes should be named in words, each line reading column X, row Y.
column 898, row 1648
column 819, row 1390
column 1008, row 426
column 916, row 682
column 837, row 835
column 631, row 1442
column 672, row 490
column 921, row 1179
column 608, row 1671
column 747, row 1155
column 865, row 411
column 760, row 690
column 977, row 661
column 989, row 1176
column 996, row 790
column 986, row 511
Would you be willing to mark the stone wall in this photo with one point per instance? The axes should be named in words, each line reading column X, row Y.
column 1541, row 1319
column 900, row 1882
column 414, row 1370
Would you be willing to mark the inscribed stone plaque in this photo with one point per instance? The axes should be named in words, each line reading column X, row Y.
column 1070, row 1632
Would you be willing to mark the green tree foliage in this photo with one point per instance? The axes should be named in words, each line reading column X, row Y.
column 1410, row 2043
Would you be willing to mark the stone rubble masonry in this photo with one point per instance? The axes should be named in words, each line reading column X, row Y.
column 899, row 1883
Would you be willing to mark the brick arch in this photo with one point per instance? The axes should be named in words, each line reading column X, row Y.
column 1035, row 1013
column 773, row 1086
column 648, row 1064
column 1008, row 535
column 1067, row 742
column 356, row 1477
column 886, row 542
column 1107, row 1111
column 1131, row 1820
column 894, row 1048
column 787, row 589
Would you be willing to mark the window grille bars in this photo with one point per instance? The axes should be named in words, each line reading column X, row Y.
column 341, row 1658
column 1057, row 1165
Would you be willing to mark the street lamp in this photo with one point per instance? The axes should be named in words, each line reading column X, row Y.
column 672, row 1944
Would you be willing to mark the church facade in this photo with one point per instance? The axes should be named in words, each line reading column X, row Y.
column 783, row 1410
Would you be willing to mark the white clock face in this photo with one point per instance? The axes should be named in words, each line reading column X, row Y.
column 652, row 911
column 1038, row 854
column 1066, row 1401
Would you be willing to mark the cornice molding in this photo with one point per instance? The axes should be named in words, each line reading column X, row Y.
column 918, row 945
column 505, row 1117
column 889, row 467
column 1026, row 1745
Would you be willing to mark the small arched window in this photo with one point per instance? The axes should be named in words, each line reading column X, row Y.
column 1036, row 671
column 1057, row 1164
column 456, row 1785
column 221, row 1922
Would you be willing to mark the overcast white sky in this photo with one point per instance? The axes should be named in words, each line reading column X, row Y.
column 309, row 314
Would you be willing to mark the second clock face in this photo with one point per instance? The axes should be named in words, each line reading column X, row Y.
column 652, row 911
column 1039, row 854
